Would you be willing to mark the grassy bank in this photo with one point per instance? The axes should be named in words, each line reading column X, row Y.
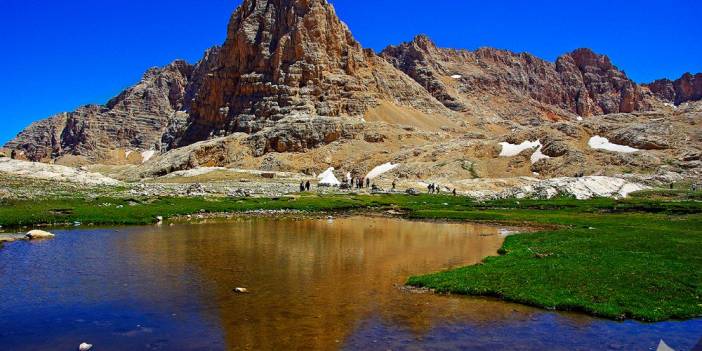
column 638, row 258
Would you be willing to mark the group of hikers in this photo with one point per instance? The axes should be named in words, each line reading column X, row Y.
column 357, row 183
column 360, row 183
column 436, row 189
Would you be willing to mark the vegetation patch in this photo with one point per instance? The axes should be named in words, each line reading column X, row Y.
column 637, row 258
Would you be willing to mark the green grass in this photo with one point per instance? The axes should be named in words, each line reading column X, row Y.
column 639, row 258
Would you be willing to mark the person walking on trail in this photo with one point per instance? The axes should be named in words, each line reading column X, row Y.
column 438, row 189
column 430, row 188
column 302, row 187
column 367, row 182
column 307, row 185
column 454, row 192
column 394, row 184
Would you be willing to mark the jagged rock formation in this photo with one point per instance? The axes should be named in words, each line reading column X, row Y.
column 284, row 58
column 580, row 82
column 684, row 89
column 135, row 119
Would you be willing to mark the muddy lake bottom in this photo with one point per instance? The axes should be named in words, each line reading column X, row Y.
column 314, row 284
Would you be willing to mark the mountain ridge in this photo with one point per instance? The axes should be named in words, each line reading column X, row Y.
column 289, row 59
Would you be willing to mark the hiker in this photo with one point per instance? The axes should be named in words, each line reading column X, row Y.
column 430, row 188
column 454, row 192
column 302, row 187
column 438, row 189
column 394, row 184
column 307, row 185
column 367, row 182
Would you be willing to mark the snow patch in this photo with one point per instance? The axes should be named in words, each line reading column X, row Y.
column 538, row 155
column 382, row 169
column 194, row 172
column 509, row 150
column 600, row 143
column 147, row 155
column 456, row 76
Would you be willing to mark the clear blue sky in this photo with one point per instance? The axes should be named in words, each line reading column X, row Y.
column 57, row 55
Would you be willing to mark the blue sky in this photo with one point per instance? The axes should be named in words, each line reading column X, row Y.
column 58, row 55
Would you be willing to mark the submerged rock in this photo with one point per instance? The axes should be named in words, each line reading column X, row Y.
column 38, row 234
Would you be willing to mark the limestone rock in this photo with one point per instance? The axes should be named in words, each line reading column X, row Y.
column 135, row 119
column 580, row 188
column 302, row 134
column 686, row 88
column 38, row 234
column 581, row 82
column 286, row 58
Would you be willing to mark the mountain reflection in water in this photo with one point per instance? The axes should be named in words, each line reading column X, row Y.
column 315, row 284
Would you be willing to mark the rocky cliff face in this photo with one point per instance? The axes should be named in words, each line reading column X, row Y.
column 292, row 57
column 580, row 82
column 684, row 89
column 135, row 119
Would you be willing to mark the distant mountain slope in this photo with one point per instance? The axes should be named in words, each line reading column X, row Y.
column 581, row 82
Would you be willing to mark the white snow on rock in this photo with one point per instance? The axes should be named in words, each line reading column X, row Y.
column 579, row 119
column 147, row 155
column 600, row 143
column 581, row 188
column 328, row 178
column 194, row 172
column 382, row 169
column 538, row 155
column 456, row 76
column 54, row 172
column 510, row 150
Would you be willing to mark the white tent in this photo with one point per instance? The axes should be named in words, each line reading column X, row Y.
column 327, row 178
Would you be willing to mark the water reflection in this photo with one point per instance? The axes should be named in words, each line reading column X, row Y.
column 313, row 281
column 315, row 284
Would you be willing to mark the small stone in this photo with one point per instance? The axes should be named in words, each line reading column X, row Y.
column 85, row 346
column 241, row 290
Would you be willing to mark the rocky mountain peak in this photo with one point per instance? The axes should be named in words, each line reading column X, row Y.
column 586, row 59
column 291, row 57
column 270, row 36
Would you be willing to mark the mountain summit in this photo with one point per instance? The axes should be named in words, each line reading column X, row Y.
column 293, row 57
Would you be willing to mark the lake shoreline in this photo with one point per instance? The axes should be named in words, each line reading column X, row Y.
column 596, row 256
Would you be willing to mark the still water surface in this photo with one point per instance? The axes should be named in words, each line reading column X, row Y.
column 315, row 285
